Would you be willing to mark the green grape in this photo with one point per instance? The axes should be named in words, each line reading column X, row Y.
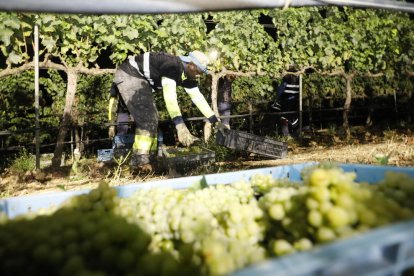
column 319, row 178
column 71, row 249
column 345, row 188
column 277, row 212
column 56, row 256
column 87, row 228
column 333, row 194
column 325, row 207
column 70, row 235
column 282, row 247
column 73, row 266
column 125, row 260
column 170, row 267
column 103, row 199
column 100, row 240
column 346, row 231
column 325, row 234
column 221, row 266
column 85, row 203
column 321, row 194
column 41, row 252
column 303, row 244
column 94, row 195
column 337, row 217
column 312, row 203
column 107, row 255
column 315, row 218
column 345, row 200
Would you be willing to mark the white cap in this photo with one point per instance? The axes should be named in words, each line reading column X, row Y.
column 198, row 58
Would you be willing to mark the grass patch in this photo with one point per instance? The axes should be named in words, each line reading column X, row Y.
column 23, row 162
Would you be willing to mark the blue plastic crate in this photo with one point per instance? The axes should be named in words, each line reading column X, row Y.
column 105, row 155
column 385, row 251
column 123, row 141
column 15, row 206
column 109, row 155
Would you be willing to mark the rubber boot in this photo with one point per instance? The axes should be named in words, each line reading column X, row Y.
column 140, row 163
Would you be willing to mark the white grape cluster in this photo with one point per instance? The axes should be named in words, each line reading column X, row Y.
column 286, row 220
column 330, row 205
column 101, row 199
column 221, row 255
column 263, row 183
column 150, row 209
column 226, row 214
column 399, row 187
column 72, row 242
column 233, row 242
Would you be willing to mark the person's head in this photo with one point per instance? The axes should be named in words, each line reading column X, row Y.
column 231, row 78
column 192, row 70
column 196, row 63
column 292, row 68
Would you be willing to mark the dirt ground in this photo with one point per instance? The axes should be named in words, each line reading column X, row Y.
column 392, row 147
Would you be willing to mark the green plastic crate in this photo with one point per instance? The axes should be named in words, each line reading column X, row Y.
column 244, row 141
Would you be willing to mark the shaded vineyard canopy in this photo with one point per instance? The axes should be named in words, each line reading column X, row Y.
column 179, row 6
column 330, row 41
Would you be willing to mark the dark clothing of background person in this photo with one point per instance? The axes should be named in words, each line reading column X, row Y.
column 287, row 100
column 224, row 98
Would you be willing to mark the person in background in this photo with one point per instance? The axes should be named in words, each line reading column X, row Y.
column 287, row 100
column 138, row 77
column 119, row 119
column 118, row 114
column 224, row 98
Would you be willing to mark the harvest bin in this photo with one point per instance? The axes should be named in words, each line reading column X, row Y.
column 385, row 251
column 120, row 143
column 244, row 141
column 172, row 158
column 181, row 159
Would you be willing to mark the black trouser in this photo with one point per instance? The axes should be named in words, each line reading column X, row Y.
column 290, row 102
column 138, row 97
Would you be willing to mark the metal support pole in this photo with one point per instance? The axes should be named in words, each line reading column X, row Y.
column 250, row 117
column 395, row 106
column 36, row 68
column 72, row 135
column 180, row 6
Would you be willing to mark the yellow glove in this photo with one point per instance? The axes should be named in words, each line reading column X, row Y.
column 221, row 127
column 111, row 132
column 113, row 104
column 184, row 135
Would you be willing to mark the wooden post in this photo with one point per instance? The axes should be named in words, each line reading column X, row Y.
column 347, row 105
column 36, row 69
column 67, row 117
